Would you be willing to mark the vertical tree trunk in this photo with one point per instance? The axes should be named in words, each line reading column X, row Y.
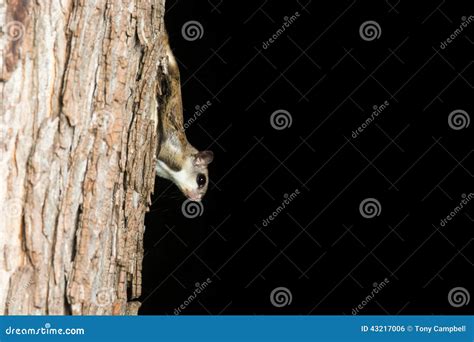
column 78, row 116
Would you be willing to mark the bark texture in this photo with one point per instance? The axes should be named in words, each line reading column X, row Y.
column 78, row 116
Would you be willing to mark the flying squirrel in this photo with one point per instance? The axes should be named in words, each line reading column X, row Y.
column 177, row 159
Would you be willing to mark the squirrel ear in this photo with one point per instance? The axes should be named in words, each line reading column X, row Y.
column 203, row 158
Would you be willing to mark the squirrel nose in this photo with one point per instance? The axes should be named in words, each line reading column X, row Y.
column 193, row 196
column 196, row 198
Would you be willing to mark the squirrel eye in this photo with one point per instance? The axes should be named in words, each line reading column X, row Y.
column 201, row 180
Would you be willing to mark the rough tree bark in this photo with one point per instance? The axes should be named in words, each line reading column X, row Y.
column 78, row 117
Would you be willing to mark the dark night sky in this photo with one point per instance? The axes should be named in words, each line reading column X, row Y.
column 325, row 76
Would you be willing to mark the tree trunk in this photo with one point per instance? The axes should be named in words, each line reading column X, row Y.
column 78, row 114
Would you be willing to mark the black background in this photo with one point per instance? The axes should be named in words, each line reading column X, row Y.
column 328, row 78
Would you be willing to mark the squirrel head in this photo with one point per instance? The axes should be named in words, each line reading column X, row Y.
column 192, row 178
